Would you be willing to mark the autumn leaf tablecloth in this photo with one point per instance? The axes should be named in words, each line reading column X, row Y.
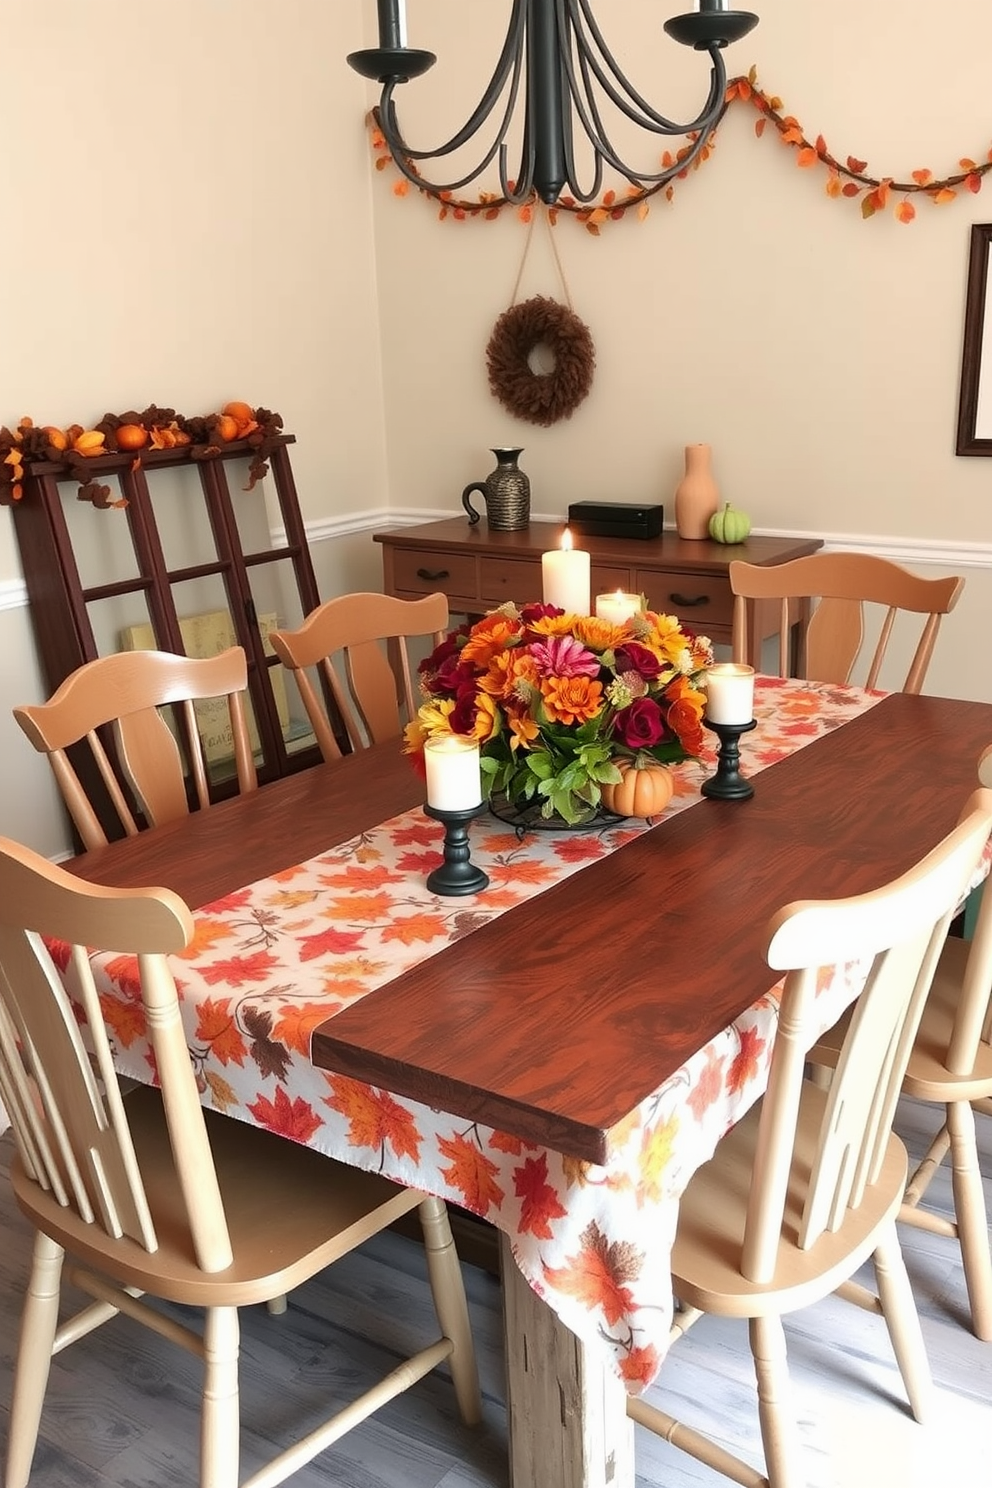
column 271, row 961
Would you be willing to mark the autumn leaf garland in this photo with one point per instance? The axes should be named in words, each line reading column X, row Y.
column 849, row 179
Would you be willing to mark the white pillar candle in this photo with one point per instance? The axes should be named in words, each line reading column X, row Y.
column 565, row 577
column 454, row 780
column 617, row 608
column 730, row 693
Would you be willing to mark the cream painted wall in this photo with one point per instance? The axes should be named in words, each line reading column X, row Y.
column 189, row 220
column 192, row 216
column 818, row 353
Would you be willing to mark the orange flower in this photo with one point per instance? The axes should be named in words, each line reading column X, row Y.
column 600, row 635
column 523, row 729
column 571, row 699
column 489, row 637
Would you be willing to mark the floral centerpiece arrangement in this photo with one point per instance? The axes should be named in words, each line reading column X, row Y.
column 559, row 702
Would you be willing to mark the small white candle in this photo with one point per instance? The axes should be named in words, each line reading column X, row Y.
column 454, row 781
column 618, row 607
column 565, row 577
column 730, row 693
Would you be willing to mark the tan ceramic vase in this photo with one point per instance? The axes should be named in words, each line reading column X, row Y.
column 696, row 495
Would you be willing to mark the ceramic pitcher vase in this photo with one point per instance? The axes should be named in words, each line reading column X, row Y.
column 696, row 495
column 506, row 491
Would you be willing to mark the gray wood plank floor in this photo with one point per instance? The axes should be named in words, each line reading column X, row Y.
column 121, row 1407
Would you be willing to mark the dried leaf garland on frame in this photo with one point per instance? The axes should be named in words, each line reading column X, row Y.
column 162, row 428
column 848, row 179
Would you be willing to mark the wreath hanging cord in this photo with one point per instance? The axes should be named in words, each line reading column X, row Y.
column 540, row 397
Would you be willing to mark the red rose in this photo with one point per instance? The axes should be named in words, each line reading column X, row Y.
column 640, row 726
column 633, row 657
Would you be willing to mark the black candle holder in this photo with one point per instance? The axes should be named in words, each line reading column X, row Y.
column 457, row 874
column 728, row 784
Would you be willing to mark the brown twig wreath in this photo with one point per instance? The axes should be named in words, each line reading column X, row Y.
column 540, row 398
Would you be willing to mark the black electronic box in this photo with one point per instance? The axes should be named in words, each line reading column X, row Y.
column 615, row 519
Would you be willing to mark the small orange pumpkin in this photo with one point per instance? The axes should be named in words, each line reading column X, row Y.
column 644, row 790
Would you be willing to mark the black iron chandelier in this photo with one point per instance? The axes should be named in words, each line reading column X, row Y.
column 555, row 56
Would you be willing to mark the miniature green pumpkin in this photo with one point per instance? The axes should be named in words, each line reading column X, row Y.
column 729, row 525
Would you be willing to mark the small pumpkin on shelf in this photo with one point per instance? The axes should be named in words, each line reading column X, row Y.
column 729, row 525
column 644, row 789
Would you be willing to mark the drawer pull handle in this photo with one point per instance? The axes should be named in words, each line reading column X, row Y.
column 432, row 575
column 686, row 602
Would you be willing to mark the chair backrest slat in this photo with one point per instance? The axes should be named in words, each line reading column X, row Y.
column 892, row 937
column 345, row 641
column 836, row 587
column 126, row 693
column 69, row 1117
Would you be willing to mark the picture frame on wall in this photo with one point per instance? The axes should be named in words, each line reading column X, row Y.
column 975, row 397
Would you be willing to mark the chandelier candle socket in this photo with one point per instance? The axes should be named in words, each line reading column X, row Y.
column 618, row 607
column 454, row 779
column 729, row 693
column 565, row 577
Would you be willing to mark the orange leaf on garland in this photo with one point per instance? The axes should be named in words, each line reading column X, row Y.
column 851, row 189
column 833, row 186
column 923, row 177
column 967, row 165
column 946, row 194
column 821, row 145
column 807, row 157
column 973, row 183
column 857, row 166
column 905, row 211
column 759, row 127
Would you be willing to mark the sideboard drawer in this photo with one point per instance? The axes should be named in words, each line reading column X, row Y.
column 701, row 600
column 608, row 581
column 501, row 579
column 419, row 572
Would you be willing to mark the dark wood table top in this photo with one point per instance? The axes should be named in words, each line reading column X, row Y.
column 556, row 1019
column 455, row 535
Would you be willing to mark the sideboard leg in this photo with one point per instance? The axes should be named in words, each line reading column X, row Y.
column 566, row 1410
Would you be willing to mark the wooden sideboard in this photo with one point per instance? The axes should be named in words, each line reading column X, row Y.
column 478, row 569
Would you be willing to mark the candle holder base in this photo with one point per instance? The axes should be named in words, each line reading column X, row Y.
column 457, row 874
column 728, row 784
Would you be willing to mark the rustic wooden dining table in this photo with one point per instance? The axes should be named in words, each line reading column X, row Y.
column 552, row 1018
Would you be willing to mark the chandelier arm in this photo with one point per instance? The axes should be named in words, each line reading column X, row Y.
column 524, row 188
column 642, row 112
column 588, row 112
column 403, row 155
column 511, row 56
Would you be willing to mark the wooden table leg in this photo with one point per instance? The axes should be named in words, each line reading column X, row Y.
column 566, row 1409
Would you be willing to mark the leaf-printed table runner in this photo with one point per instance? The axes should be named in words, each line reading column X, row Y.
column 271, row 961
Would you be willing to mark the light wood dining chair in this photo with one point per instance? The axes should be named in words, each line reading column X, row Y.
column 344, row 640
column 951, row 1066
column 808, row 1185
column 150, row 1194
column 832, row 590
column 127, row 690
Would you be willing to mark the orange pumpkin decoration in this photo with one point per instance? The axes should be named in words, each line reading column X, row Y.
column 131, row 436
column 242, row 412
column 226, row 427
column 644, row 790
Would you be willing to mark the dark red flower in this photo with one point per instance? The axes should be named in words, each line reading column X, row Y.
column 641, row 725
column 633, row 657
